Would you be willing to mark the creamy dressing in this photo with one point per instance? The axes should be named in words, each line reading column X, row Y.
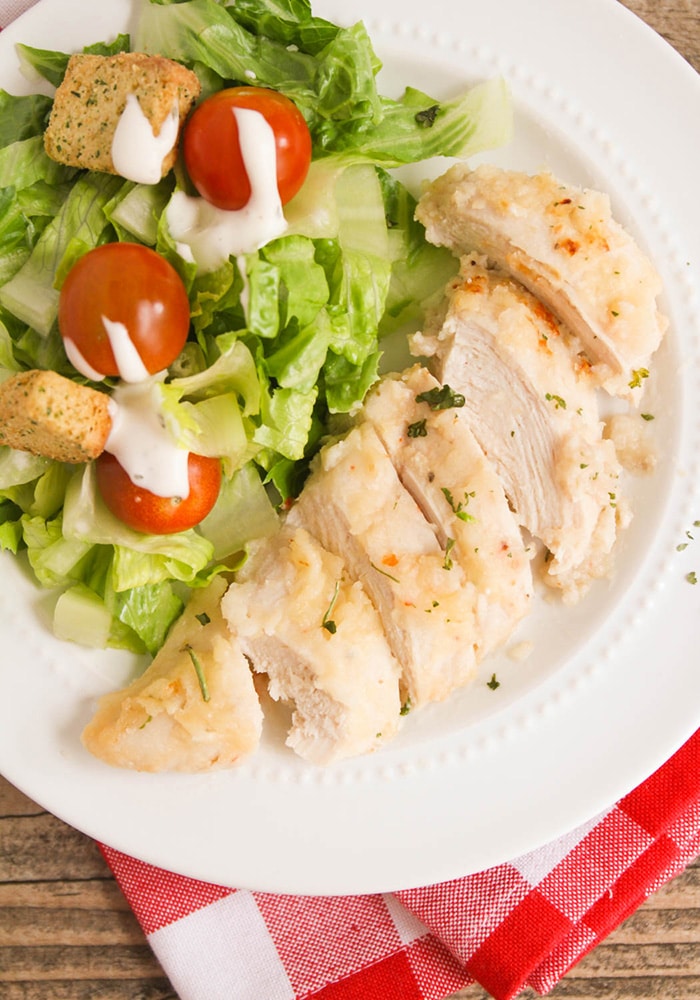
column 128, row 360
column 245, row 291
column 137, row 153
column 209, row 235
column 129, row 364
column 78, row 361
column 139, row 438
column 142, row 443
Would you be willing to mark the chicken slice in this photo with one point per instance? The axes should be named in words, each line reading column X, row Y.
column 356, row 506
column 562, row 243
column 194, row 709
column 532, row 405
column 441, row 464
column 315, row 633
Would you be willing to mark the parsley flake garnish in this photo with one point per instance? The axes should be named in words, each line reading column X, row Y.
column 384, row 572
column 442, row 398
column 328, row 623
column 637, row 376
column 203, row 687
column 692, row 577
column 426, row 118
column 406, row 707
column 647, row 416
column 418, row 429
column 458, row 508
column 449, row 545
column 493, row 683
column 203, row 618
column 559, row 403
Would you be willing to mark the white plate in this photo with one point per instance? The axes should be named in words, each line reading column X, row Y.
column 612, row 687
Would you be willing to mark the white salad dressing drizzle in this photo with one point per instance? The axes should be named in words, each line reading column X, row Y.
column 137, row 153
column 245, row 291
column 128, row 360
column 139, row 438
column 142, row 443
column 129, row 364
column 210, row 235
column 78, row 361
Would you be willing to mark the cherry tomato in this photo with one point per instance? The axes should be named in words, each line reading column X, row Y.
column 212, row 151
column 144, row 511
column 129, row 284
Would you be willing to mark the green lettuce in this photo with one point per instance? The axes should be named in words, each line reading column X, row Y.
column 331, row 74
column 282, row 338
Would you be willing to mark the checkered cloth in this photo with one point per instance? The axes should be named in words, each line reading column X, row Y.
column 524, row 923
column 11, row 9
column 519, row 924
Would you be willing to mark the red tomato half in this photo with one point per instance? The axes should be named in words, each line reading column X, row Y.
column 129, row 284
column 144, row 511
column 212, row 151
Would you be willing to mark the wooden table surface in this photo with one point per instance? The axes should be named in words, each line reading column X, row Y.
column 66, row 932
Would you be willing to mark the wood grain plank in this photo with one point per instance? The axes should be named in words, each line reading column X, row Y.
column 620, row 961
column 95, row 989
column 15, row 803
column 104, row 989
column 640, row 987
column 674, row 20
column 20, row 925
column 676, row 926
column 42, row 847
column 94, row 894
column 43, row 962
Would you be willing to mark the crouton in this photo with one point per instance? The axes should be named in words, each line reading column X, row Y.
column 93, row 95
column 46, row 414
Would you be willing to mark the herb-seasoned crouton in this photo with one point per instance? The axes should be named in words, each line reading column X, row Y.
column 93, row 96
column 46, row 414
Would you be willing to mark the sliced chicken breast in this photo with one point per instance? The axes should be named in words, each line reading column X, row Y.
column 531, row 403
column 562, row 243
column 316, row 635
column 441, row 464
column 195, row 708
column 355, row 504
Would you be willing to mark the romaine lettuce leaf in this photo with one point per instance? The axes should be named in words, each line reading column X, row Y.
column 288, row 21
column 31, row 294
column 281, row 338
column 22, row 117
column 51, row 64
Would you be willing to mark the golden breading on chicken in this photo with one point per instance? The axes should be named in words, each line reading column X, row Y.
column 563, row 244
column 355, row 504
column 302, row 621
column 194, row 709
column 532, row 404
column 443, row 467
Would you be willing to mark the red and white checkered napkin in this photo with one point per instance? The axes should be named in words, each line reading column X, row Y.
column 11, row 9
column 519, row 924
